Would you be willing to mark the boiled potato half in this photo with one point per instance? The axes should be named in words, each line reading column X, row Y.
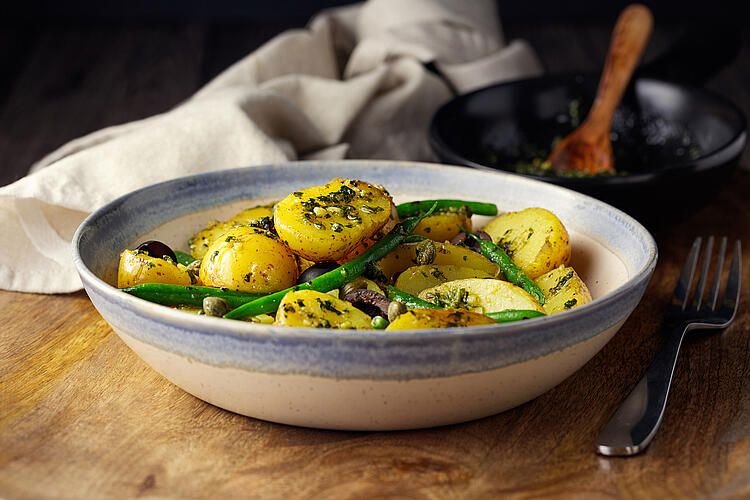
column 325, row 223
column 308, row 308
column 438, row 318
column 444, row 224
column 256, row 216
column 139, row 267
column 379, row 235
column 534, row 238
column 480, row 295
column 249, row 259
column 563, row 289
column 416, row 278
column 405, row 256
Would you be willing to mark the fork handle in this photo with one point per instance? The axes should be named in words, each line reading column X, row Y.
column 632, row 427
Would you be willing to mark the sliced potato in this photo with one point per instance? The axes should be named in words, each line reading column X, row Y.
column 480, row 295
column 325, row 223
column 404, row 256
column 379, row 234
column 444, row 225
column 416, row 278
column 438, row 318
column 214, row 229
column 249, row 259
column 138, row 267
column 534, row 238
column 563, row 289
column 312, row 309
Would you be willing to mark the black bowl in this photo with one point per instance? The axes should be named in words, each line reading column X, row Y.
column 671, row 142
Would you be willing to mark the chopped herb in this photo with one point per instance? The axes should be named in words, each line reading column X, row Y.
column 561, row 283
column 454, row 298
column 246, row 278
column 437, row 273
column 263, row 223
column 506, row 246
column 289, row 309
column 328, row 306
column 571, row 303
column 318, row 225
column 336, row 227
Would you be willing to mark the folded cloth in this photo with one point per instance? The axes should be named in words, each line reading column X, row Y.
column 351, row 85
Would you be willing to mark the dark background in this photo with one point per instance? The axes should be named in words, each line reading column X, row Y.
column 532, row 10
column 69, row 68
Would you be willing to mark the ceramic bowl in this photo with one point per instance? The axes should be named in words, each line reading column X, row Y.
column 363, row 380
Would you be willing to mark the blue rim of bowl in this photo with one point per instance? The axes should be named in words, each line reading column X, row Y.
column 239, row 330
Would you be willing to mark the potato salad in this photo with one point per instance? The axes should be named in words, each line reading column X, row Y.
column 344, row 256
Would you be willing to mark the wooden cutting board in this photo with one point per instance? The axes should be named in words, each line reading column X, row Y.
column 82, row 417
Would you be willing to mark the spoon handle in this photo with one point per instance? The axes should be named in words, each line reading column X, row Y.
column 629, row 38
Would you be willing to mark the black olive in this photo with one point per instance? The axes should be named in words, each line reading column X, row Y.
column 368, row 301
column 316, row 270
column 157, row 249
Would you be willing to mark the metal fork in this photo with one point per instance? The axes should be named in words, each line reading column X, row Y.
column 634, row 424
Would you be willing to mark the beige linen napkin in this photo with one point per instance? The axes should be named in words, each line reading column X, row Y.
column 351, row 85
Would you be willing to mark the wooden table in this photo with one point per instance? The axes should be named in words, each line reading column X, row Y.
column 82, row 417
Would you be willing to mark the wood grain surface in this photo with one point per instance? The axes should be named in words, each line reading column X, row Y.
column 82, row 417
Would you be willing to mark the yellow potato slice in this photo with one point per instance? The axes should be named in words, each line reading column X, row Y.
column 480, row 295
column 563, row 289
column 325, row 223
column 417, row 278
column 249, row 259
column 200, row 242
column 383, row 231
column 308, row 308
column 534, row 238
column 444, row 225
column 138, row 267
column 404, row 256
column 438, row 318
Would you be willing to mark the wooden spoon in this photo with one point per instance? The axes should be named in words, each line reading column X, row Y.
column 588, row 149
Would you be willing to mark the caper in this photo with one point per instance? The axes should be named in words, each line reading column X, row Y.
column 215, row 306
column 425, row 252
column 355, row 284
column 395, row 309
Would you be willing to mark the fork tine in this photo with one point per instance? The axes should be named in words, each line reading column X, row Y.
column 732, row 291
column 713, row 295
column 698, row 297
column 679, row 298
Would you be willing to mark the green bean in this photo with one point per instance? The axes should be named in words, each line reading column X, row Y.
column 409, row 300
column 414, row 238
column 183, row 258
column 181, row 295
column 512, row 272
column 500, row 316
column 513, row 315
column 337, row 277
column 414, row 207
